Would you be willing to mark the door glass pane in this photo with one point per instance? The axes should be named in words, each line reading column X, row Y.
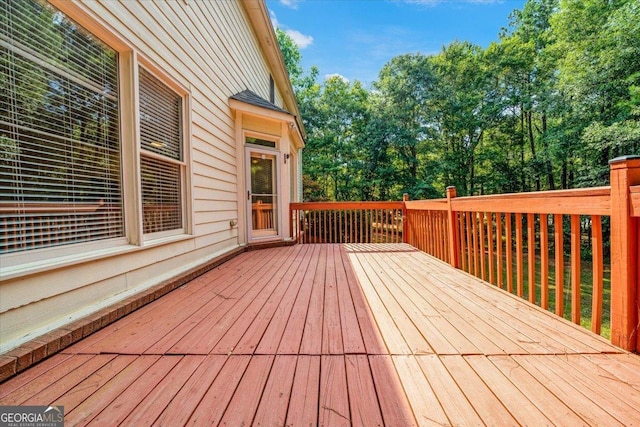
column 264, row 200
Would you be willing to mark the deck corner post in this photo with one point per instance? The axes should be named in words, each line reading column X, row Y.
column 625, row 172
column 291, row 228
column 454, row 232
column 405, row 219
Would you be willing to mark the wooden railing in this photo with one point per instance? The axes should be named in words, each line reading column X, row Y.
column 524, row 242
column 488, row 236
column 25, row 226
column 553, row 248
column 262, row 217
column 347, row 222
column 160, row 217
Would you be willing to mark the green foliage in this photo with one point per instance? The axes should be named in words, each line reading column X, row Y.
column 291, row 56
column 545, row 107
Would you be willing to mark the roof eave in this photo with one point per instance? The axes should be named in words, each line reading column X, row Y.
column 261, row 22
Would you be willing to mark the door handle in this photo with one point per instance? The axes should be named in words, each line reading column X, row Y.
column 248, row 195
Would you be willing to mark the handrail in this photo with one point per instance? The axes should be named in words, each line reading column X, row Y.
column 346, row 205
column 49, row 207
column 584, row 201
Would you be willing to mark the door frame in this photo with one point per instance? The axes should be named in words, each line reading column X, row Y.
column 251, row 235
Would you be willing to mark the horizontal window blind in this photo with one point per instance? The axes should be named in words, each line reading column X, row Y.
column 161, row 165
column 60, row 168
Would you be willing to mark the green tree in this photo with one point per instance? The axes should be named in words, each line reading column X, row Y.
column 404, row 87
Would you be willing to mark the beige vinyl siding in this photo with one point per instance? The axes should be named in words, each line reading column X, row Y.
column 269, row 127
column 209, row 48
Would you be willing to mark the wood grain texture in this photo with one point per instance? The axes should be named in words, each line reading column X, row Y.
column 358, row 334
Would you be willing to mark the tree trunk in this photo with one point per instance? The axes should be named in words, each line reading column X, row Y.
column 532, row 145
column 547, row 162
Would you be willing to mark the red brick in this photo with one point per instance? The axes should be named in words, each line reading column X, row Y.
column 23, row 356
column 8, row 367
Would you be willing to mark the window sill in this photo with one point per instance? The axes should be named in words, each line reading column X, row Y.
column 41, row 266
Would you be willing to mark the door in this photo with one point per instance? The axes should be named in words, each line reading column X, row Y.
column 262, row 193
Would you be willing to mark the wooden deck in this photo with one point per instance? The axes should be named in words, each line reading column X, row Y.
column 337, row 335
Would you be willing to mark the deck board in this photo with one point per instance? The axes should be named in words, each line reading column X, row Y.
column 245, row 400
column 371, row 336
column 211, row 407
column 337, row 335
column 245, row 333
column 312, row 334
column 94, row 404
column 517, row 402
column 150, row 407
column 333, row 408
column 277, row 392
column 456, row 406
column 365, row 410
column 587, row 406
column 294, row 329
column 128, row 399
column 305, row 392
column 489, row 408
column 331, row 321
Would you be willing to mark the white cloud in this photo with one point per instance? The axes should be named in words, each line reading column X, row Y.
column 274, row 19
column 301, row 40
column 293, row 4
column 340, row 76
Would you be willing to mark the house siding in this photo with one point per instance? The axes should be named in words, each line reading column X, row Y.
column 209, row 48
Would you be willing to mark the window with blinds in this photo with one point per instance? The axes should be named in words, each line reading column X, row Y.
column 162, row 164
column 60, row 168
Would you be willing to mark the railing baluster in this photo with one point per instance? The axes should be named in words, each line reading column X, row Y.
column 326, row 225
column 544, row 261
column 559, row 251
column 463, row 246
column 474, row 232
column 490, row 246
column 531, row 249
column 598, row 271
column 469, row 241
column 519, row 257
column 443, row 237
column 509, row 249
column 500, row 263
column 575, row 269
column 436, row 236
column 481, row 220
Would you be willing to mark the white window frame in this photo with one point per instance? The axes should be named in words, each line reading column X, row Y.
column 38, row 260
column 184, row 164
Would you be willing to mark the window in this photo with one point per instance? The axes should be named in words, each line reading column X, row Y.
column 162, row 165
column 272, row 90
column 260, row 142
column 60, row 167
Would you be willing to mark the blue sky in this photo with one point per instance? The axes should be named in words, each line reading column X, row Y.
column 355, row 38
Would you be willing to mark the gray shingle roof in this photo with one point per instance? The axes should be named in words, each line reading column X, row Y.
column 252, row 98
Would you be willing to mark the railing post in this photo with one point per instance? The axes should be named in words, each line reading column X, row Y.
column 405, row 219
column 291, row 222
column 625, row 172
column 454, row 240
